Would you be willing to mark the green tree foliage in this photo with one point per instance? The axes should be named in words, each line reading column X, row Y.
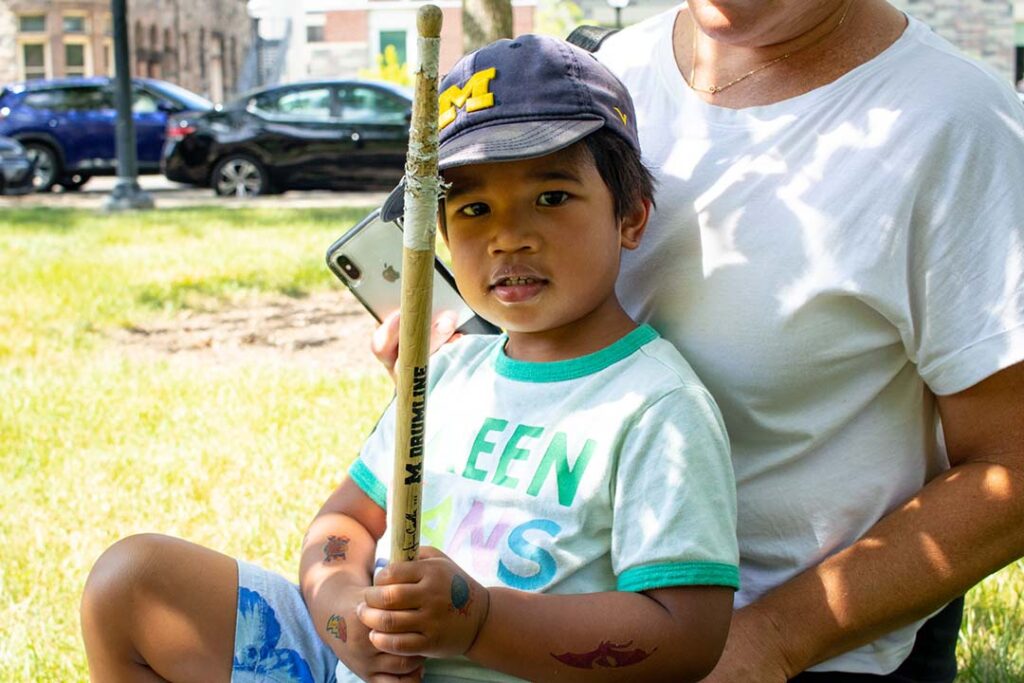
column 557, row 17
column 388, row 69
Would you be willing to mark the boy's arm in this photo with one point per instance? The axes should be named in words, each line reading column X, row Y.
column 335, row 570
column 668, row 634
column 433, row 608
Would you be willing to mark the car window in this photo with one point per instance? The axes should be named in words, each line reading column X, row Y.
column 70, row 99
column 365, row 104
column 186, row 98
column 144, row 103
column 308, row 103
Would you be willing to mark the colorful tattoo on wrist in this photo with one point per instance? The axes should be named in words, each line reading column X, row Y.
column 607, row 656
column 462, row 598
column 335, row 548
column 336, row 627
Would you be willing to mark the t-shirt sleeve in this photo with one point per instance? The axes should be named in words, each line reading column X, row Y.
column 966, row 265
column 675, row 497
column 373, row 468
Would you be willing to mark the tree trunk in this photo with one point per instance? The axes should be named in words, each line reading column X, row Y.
column 484, row 21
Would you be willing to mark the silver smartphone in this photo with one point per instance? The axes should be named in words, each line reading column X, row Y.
column 368, row 259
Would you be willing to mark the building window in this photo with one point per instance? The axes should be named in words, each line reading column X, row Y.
column 108, row 25
column 395, row 39
column 74, row 23
column 202, row 53
column 315, row 22
column 32, row 23
column 187, row 56
column 314, row 34
column 33, row 61
column 76, row 58
column 108, row 58
column 233, row 57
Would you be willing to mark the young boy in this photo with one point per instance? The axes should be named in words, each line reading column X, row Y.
column 579, row 511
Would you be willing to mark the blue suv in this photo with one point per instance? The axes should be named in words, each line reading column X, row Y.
column 67, row 126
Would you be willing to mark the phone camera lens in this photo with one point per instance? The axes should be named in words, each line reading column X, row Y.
column 350, row 269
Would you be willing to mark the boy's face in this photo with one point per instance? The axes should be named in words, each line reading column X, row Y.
column 535, row 244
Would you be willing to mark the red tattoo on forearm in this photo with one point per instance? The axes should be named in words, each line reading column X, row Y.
column 607, row 656
column 335, row 548
column 336, row 627
column 462, row 598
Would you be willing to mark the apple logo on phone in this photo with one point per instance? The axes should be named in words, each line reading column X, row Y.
column 389, row 273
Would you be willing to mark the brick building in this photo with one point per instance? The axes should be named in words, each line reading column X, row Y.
column 338, row 38
column 198, row 44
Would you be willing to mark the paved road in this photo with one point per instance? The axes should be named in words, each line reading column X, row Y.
column 169, row 195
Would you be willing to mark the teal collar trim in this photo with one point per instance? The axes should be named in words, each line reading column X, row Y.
column 574, row 368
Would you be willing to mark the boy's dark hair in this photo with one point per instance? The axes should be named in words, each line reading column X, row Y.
column 620, row 167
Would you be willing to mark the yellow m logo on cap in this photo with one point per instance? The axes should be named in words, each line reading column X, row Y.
column 473, row 96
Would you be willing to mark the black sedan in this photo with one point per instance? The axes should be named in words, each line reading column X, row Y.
column 317, row 135
column 16, row 169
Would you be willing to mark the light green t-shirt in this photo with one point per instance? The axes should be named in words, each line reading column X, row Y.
column 609, row 472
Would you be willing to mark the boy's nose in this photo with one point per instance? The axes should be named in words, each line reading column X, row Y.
column 515, row 234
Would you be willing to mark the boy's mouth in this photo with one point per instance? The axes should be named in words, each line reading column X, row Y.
column 512, row 288
column 515, row 281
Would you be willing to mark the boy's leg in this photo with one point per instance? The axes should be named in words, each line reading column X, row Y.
column 158, row 608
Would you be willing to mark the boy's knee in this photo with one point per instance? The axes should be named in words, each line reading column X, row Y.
column 121, row 570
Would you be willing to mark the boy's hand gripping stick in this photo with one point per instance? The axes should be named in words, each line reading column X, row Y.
column 422, row 184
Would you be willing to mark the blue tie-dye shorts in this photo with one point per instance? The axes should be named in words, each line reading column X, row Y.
column 275, row 640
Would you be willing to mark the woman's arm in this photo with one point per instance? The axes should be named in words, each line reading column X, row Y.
column 962, row 526
column 432, row 608
column 336, row 569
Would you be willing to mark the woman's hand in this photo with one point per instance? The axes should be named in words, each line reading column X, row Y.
column 753, row 653
column 384, row 342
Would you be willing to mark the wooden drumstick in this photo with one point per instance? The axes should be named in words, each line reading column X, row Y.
column 420, row 226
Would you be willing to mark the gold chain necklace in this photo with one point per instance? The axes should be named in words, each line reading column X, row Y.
column 714, row 89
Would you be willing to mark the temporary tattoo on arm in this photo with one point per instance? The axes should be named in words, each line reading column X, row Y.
column 461, row 596
column 607, row 656
column 336, row 627
column 335, row 548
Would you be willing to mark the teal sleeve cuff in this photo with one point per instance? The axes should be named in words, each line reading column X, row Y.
column 647, row 577
column 371, row 486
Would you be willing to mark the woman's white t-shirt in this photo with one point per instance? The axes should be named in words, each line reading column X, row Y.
column 827, row 264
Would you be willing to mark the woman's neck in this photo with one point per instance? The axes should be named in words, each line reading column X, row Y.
column 720, row 53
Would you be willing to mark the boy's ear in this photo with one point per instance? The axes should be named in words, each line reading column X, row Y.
column 633, row 224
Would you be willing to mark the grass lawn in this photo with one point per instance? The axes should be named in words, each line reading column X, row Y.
column 96, row 444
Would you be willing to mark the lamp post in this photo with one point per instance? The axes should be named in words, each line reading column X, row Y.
column 618, row 6
column 126, row 193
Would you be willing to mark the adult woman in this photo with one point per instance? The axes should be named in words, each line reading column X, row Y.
column 837, row 248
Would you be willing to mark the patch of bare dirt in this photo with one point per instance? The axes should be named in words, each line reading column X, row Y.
column 328, row 330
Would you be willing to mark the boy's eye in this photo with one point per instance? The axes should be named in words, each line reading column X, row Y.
column 474, row 209
column 553, row 198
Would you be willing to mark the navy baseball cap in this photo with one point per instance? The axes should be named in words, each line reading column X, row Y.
column 524, row 98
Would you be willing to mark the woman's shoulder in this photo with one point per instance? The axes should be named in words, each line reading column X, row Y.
column 633, row 49
column 931, row 72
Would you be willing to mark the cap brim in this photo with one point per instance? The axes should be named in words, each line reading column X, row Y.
column 510, row 141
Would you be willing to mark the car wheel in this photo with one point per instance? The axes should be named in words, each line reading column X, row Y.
column 73, row 183
column 46, row 165
column 239, row 176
